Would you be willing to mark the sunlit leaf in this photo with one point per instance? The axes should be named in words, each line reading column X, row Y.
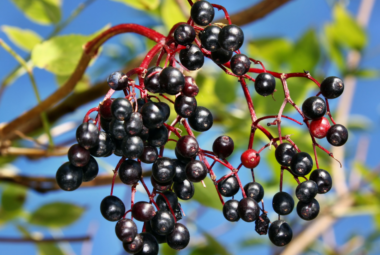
column 82, row 85
column 207, row 196
column 366, row 73
column 166, row 250
column 225, row 88
column 24, row 38
column 49, row 249
column 141, row 4
column 171, row 13
column 306, row 52
column 40, row 11
column 254, row 241
column 334, row 50
column 13, row 197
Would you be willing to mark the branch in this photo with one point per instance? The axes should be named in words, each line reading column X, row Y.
column 45, row 240
column 255, row 12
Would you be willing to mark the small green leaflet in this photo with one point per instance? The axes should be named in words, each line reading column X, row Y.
column 141, row 4
column 23, row 38
column 43, row 12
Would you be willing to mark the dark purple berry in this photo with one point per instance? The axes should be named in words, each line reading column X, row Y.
column 151, row 82
column 230, row 210
column 332, row 87
column 262, row 224
column 179, row 238
column 180, row 172
column 280, row 233
column 112, row 208
column 87, row 135
column 323, row 180
column 134, row 125
column 130, row 172
column 133, row 147
column 126, row 230
column 149, row 155
column 223, row 146
column 192, row 57
column 135, row 246
column 163, row 222
column 105, row 109
column 228, row 187
column 265, row 84
column 209, row 38
column 171, row 80
column 185, row 106
column 283, row 203
column 150, row 245
column 337, row 135
column 187, row 146
column 158, row 136
column 248, row 209
column 284, row 154
column 190, row 89
column 105, row 124
column 254, row 190
column 181, row 158
column 306, row 191
column 78, row 156
column 165, row 109
column 314, row 108
column 184, row 190
column 163, row 170
column 196, row 171
column 160, row 187
column 121, row 109
column 143, row 211
column 240, row 64
column 171, row 197
column 301, row 164
column 231, row 37
column 184, row 34
column 91, row 170
column 201, row 120
column 69, row 177
column 117, row 129
column 202, row 12
column 308, row 210
column 104, row 147
column 221, row 56
column 152, row 115
column 117, row 81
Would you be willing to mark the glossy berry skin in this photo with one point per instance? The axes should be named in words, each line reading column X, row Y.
column 314, row 108
column 190, row 89
column 265, row 84
column 196, row 171
column 135, row 246
column 221, row 56
column 121, row 109
column 105, row 124
column 192, row 57
column 179, row 238
column 130, row 172
column 248, row 209
column 181, row 158
column 105, row 108
column 201, row 120
column 184, row 190
column 143, row 211
column 148, row 229
column 163, row 222
column 144, row 134
column 280, row 233
column 150, row 245
column 126, row 230
column 78, row 156
column 231, row 37
column 228, row 187
column 323, row 180
column 209, row 38
column 202, row 12
column 69, row 177
column 319, row 127
column 165, row 109
column 180, row 172
column 230, row 210
column 163, row 170
column 301, row 164
column 223, row 146
column 185, row 106
column 250, row 158
column 152, row 115
column 284, row 154
column 306, row 191
column 117, row 81
column 91, row 170
column 149, row 155
column 254, row 190
column 308, row 210
column 160, row 187
column 117, row 129
column 118, row 150
column 104, row 147
column 337, row 135
column 187, row 146
column 134, row 125
column 112, row 208
column 240, row 64
column 184, row 34
column 158, row 136
column 332, row 87
column 171, row 197
column 283, row 203
column 151, row 82
column 133, row 147
column 171, row 80
column 87, row 135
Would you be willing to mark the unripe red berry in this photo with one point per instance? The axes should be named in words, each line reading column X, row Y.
column 319, row 127
column 250, row 158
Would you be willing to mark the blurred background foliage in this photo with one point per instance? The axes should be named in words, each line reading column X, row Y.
column 33, row 214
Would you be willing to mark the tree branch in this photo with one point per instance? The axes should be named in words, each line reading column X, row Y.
column 45, row 240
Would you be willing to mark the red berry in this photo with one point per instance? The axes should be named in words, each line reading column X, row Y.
column 319, row 127
column 105, row 108
column 250, row 158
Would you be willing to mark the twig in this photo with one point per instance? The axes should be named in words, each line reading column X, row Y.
column 45, row 240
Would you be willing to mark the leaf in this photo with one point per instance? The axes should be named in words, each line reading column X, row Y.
column 225, row 88
column 13, row 197
column 166, row 250
column 333, row 48
column 366, row 73
column 171, row 13
column 249, row 242
column 49, row 249
column 359, row 123
column 40, row 11
column 24, row 38
column 306, row 52
column 207, row 196
column 56, row 215
column 141, row 4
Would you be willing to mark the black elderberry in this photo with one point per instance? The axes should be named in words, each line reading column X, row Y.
column 314, row 108
column 151, row 82
column 323, row 180
column 337, row 135
column 117, row 129
column 265, row 84
column 190, row 89
column 185, row 106
column 130, row 172
column 184, row 190
column 163, row 222
column 104, row 147
column 280, row 233
column 240, row 64
column 248, row 209
column 228, row 187
column 221, row 56
column 149, row 155
column 283, row 203
column 231, row 37
column 87, row 135
column 134, row 125
column 117, row 81
column 181, row 158
column 230, row 210
column 308, row 210
column 112, row 208
column 301, row 164
column 284, row 154
column 91, row 170
column 150, row 245
column 223, row 146
column 179, row 238
column 78, row 156
column 133, row 147
column 143, row 211
column 121, row 109
column 201, row 120
column 171, row 197
column 171, row 80
column 135, row 246
column 105, row 109
column 105, row 124
column 180, row 172
column 202, row 12
column 165, row 109
column 187, row 146
column 184, row 34
column 160, row 187
column 196, row 171
column 306, row 191
column 254, row 190
column 158, row 136
column 152, row 115
column 69, row 177
column 126, row 230
column 163, row 170
column 148, row 229
column 332, row 87
column 192, row 57
column 144, row 134
column 209, row 38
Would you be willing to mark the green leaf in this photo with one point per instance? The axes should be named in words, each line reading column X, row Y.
column 49, row 249
column 56, row 215
column 13, row 197
column 366, row 73
column 306, row 52
column 141, row 4
column 249, row 242
column 171, row 13
column 333, row 48
column 166, row 250
column 207, row 196
column 40, row 11
column 24, row 38
column 225, row 88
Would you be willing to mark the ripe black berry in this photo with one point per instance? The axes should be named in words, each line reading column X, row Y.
column 117, row 129
column 337, row 135
column 230, row 210
column 152, row 115
column 165, row 109
column 323, row 180
column 163, row 222
column 301, row 164
column 306, row 191
column 143, row 211
column 228, row 187
column 196, row 171
column 163, row 170
column 185, row 106
column 201, row 120
column 254, row 190
column 202, row 12
column 190, row 89
column 91, row 170
column 133, row 147
column 283, row 203
column 171, row 80
column 187, row 146
column 134, row 125
column 280, row 233
column 160, row 187
column 172, row 198
column 308, row 210
column 192, row 57
column 314, row 108
column 121, row 109
column 181, row 158
column 149, row 154
column 284, row 154
column 223, row 146
column 87, row 135
column 152, row 83
column 158, row 136
column 179, row 238
column 231, row 37
column 117, row 81
column 159, row 238
column 184, row 190
column 265, row 84
column 209, row 38
column 126, row 230
column 248, row 209
column 135, row 246
column 104, row 147
column 69, row 177
column 184, row 34
column 112, row 208
column 180, row 172
column 105, row 124
column 332, row 87
column 78, row 156
column 240, row 64
column 130, row 172
column 150, row 245
column 144, row 134
column 221, row 56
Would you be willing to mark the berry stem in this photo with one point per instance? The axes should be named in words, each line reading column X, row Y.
column 86, row 117
column 328, row 111
column 227, row 16
column 115, row 173
column 170, row 207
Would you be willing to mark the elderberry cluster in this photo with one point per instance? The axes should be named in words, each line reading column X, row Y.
column 135, row 129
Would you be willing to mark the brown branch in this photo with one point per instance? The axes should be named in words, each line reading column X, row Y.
column 34, row 152
column 45, row 240
column 255, row 12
